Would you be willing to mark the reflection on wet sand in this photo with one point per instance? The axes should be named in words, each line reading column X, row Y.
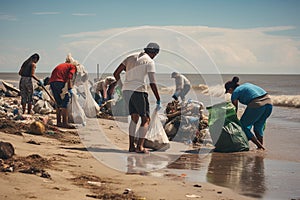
column 241, row 172
column 145, row 163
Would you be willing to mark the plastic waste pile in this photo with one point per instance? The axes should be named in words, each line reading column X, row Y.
column 186, row 121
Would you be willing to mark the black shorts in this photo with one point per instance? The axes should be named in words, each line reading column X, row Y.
column 137, row 102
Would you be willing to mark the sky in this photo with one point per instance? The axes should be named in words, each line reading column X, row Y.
column 195, row 36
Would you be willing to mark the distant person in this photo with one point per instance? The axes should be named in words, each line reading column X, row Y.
column 27, row 72
column 104, row 89
column 183, row 86
column 61, row 85
column 137, row 67
column 259, row 108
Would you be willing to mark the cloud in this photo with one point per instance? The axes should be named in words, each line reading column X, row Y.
column 45, row 13
column 256, row 50
column 6, row 17
column 189, row 49
column 83, row 14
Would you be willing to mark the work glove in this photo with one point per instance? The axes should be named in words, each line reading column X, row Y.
column 158, row 105
column 70, row 91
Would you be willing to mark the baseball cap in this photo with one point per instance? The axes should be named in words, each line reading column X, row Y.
column 152, row 47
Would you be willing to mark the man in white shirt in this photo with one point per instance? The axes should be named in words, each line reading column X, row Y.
column 138, row 66
column 183, row 86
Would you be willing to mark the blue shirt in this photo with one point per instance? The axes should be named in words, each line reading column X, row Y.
column 246, row 92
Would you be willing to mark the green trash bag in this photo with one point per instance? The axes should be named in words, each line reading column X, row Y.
column 120, row 107
column 225, row 129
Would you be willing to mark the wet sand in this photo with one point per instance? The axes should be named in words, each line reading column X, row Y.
column 72, row 172
column 256, row 173
column 93, row 163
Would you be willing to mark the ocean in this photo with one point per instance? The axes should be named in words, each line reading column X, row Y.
column 273, row 174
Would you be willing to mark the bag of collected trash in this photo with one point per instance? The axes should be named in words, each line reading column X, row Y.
column 76, row 113
column 42, row 107
column 90, row 106
column 225, row 129
column 156, row 137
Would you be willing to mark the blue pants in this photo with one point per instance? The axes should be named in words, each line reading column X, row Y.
column 56, row 88
column 256, row 118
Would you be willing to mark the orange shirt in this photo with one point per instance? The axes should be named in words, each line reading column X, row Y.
column 62, row 73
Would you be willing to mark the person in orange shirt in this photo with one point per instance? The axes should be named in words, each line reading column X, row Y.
column 61, row 77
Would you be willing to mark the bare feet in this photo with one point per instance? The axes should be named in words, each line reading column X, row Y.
column 143, row 150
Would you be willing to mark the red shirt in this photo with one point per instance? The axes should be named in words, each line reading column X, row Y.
column 62, row 73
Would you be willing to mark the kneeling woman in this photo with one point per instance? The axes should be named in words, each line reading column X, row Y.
column 259, row 108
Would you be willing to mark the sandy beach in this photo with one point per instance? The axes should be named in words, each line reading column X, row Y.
column 56, row 165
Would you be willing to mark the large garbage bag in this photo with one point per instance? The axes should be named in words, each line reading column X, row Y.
column 225, row 129
column 76, row 113
column 42, row 107
column 156, row 137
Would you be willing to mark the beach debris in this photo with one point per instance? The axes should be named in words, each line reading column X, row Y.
column 30, row 170
column 36, row 170
column 37, row 128
column 192, row 196
column 127, row 191
column 197, row 185
column 32, row 164
column 6, row 150
column 45, row 174
column 43, row 107
column 186, row 122
column 33, row 142
column 11, row 90
column 95, row 183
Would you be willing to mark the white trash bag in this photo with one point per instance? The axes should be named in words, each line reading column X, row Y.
column 76, row 113
column 156, row 137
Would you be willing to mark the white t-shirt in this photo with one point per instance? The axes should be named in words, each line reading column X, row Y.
column 180, row 81
column 137, row 67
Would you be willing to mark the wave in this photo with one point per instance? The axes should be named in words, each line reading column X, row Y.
column 286, row 100
column 278, row 100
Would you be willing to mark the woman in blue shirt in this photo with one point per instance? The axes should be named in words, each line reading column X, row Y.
column 259, row 108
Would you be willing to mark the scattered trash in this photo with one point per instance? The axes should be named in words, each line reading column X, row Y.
column 127, row 191
column 45, row 175
column 37, row 128
column 95, row 183
column 197, row 185
column 192, row 196
column 50, row 132
column 33, row 142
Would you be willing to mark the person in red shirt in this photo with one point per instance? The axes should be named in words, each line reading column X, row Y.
column 61, row 86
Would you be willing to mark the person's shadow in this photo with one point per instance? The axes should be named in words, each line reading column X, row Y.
column 240, row 172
